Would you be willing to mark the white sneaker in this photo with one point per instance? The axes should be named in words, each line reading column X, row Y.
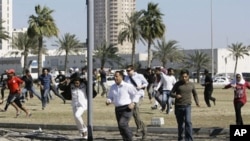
column 84, row 135
column 171, row 110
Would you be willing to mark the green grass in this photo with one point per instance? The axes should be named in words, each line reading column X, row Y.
column 221, row 115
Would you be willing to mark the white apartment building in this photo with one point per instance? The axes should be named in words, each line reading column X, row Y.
column 15, row 31
column 107, row 15
column 6, row 17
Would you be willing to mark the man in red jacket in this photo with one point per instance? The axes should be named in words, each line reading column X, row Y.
column 14, row 85
column 240, row 96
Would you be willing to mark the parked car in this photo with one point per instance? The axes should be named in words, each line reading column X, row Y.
column 221, row 81
column 110, row 80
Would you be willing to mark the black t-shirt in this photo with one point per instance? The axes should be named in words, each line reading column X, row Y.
column 28, row 81
column 150, row 77
column 208, row 82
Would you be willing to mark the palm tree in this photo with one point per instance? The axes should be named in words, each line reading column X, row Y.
column 152, row 26
column 167, row 51
column 197, row 61
column 238, row 50
column 131, row 32
column 107, row 53
column 42, row 25
column 44, row 50
column 23, row 43
column 4, row 35
column 68, row 44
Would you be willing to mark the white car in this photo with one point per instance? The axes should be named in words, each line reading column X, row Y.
column 221, row 81
column 110, row 80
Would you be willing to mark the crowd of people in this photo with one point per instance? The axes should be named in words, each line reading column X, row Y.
column 128, row 91
column 21, row 88
column 126, row 94
column 161, row 85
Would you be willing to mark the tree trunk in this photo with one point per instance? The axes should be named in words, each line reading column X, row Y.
column 149, row 54
column 25, row 62
column 133, row 54
column 66, row 62
column 102, row 62
column 164, row 64
column 235, row 67
column 40, row 61
column 198, row 75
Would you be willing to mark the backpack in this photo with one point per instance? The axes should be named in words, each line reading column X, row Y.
column 67, row 90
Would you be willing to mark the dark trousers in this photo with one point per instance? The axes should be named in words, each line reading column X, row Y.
column 2, row 91
column 208, row 97
column 183, row 117
column 150, row 86
column 237, row 108
column 139, row 123
column 123, row 116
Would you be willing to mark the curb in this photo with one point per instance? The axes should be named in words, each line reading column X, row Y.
column 213, row 131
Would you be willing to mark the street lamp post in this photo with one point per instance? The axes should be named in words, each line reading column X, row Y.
column 226, row 66
column 212, row 50
column 90, row 46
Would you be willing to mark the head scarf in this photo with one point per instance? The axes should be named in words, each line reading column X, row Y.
column 234, row 81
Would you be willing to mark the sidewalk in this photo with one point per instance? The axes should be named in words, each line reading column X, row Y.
column 27, row 132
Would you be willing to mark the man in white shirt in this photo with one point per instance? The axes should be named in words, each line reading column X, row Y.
column 124, row 96
column 79, row 105
column 168, row 82
column 140, row 83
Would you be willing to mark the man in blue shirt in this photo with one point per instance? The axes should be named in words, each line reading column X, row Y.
column 45, row 79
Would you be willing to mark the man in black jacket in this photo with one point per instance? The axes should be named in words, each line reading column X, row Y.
column 150, row 77
column 4, row 77
column 208, row 91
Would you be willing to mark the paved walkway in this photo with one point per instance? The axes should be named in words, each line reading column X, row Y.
column 28, row 132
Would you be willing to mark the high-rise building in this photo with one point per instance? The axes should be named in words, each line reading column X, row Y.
column 107, row 15
column 15, row 31
column 6, row 17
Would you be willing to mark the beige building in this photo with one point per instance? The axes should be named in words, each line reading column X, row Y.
column 6, row 17
column 107, row 15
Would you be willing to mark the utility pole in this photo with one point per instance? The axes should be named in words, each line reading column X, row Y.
column 90, row 46
column 212, row 49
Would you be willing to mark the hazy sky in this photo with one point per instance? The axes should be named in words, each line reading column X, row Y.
column 187, row 21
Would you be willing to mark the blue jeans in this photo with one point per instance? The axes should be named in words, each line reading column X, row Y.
column 183, row 117
column 167, row 100
column 31, row 89
column 45, row 94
